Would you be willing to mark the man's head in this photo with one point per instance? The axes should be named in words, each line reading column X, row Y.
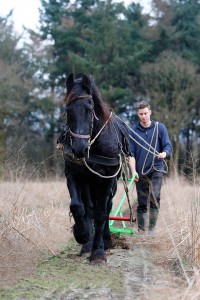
column 143, row 104
column 144, row 113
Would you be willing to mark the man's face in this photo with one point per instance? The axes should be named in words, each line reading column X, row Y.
column 144, row 115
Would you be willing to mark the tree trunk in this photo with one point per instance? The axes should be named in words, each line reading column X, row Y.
column 2, row 149
column 52, row 142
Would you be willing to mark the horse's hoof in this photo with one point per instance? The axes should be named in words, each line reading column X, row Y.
column 86, row 248
column 98, row 260
column 80, row 237
column 98, row 257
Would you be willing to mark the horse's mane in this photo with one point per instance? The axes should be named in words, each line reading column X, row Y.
column 102, row 109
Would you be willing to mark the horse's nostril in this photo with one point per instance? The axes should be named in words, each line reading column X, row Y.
column 79, row 152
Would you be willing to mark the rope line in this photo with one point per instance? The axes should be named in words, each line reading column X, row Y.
column 102, row 176
column 94, row 139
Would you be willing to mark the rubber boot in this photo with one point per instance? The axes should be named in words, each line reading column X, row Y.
column 153, row 217
column 141, row 220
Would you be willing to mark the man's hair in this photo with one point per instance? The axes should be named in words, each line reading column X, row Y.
column 143, row 104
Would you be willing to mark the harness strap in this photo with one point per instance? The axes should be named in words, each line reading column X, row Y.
column 103, row 160
column 98, row 159
column 104, row 176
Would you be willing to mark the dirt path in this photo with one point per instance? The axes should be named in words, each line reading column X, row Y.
column 131, row 272
column 143, row 278
column 139, row 276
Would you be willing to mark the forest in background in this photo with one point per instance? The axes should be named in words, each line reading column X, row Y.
column 132, row 56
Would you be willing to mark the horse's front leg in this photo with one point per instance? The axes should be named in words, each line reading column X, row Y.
column 100, row 219
column 107, row 236
column 80, row 228
column 86, row 198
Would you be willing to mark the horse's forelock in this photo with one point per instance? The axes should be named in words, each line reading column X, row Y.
column 76, row 91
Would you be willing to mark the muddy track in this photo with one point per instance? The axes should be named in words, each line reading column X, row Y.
column 131, row 272
column 141, row 278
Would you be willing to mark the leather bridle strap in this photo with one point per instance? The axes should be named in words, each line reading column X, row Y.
column 80, row 136
column 78, row 97
column 76, row 135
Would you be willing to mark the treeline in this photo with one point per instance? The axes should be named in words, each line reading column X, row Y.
column 131, row 54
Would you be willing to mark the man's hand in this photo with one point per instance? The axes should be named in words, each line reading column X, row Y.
column 132, row 167
column 135, row 174
column 162, row 155
column 60, row 146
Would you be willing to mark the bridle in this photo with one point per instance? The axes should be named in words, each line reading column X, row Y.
column 83, row 136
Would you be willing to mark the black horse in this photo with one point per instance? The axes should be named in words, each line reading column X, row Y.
column 95, row 142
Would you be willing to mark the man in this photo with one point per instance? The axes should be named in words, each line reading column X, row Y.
column 150, row 145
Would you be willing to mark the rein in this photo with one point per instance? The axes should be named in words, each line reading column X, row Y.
column 94, row 139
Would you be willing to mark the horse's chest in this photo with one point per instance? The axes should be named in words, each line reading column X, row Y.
column 107, row 145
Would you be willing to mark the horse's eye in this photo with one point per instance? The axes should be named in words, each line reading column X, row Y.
column 90, row 101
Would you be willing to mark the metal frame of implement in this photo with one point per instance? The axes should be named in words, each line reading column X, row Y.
column 118, row 215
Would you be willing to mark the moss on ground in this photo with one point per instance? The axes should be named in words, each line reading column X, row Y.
column 60, row 275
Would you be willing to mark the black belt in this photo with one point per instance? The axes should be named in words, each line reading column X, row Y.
column 103, row 160
column 93, row 158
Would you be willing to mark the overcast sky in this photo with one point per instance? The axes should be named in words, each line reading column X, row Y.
column 26, row 11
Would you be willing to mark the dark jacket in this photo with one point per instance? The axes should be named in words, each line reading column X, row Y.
column 160, row 142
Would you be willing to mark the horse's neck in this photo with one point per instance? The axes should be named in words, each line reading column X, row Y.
column 100, row 126
column 97, row 125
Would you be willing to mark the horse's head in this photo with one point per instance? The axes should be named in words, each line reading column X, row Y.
column 80, row 113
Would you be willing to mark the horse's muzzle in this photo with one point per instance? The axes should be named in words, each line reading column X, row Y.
column 80, row 148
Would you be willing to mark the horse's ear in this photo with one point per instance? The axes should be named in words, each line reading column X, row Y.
column 87, row 85
column 70, row 82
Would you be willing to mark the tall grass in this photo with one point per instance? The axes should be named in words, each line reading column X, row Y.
column 179, row 231
column 34, row 218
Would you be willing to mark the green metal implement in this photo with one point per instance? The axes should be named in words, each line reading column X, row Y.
column 118, row 215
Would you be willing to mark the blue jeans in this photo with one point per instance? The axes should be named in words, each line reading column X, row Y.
column 148, row 190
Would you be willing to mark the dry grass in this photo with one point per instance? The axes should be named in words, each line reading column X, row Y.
column 34, row 221
column 179, row 232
